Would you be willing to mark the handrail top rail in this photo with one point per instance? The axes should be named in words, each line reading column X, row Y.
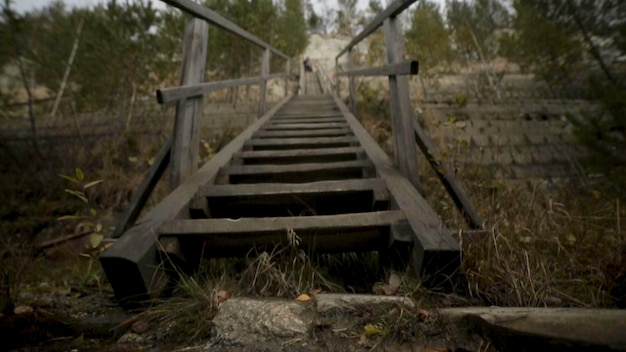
column 214, row 18
column 392, row 10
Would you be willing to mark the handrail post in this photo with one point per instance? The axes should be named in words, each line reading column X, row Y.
column 405, row 150
column 288, row 69
column 265, row 71
column 185, row 147
column 351, row 83
column 338, row 84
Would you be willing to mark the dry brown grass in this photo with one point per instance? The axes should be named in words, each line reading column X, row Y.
column 557, row 243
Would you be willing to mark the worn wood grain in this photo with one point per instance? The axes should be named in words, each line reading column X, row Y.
column 352, row 232
column 301, row 142
column 306, row 133
column 265, row 71
column 300, row 155
column 296, row 173
column 406, row 68
column 405, row 150
column 286, row 121
column 279, row 199
column 305, row 126
column 168, row 95
column 185, row 146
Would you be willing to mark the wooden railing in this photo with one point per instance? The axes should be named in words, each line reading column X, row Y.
column 406, row 130
column 181, row 151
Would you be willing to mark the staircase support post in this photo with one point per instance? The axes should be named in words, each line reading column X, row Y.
column 351, row 84
column 185, row 147
column 288, row 69
column 265, row 71
column 405, row 150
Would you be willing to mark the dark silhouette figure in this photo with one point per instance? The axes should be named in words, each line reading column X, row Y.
column 307, row 65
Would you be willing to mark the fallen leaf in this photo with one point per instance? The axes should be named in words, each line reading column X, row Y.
column 426, row 315
column 376, row 330
column 140, row 326
column 22, row 310
column 303, row 298
column 221, row 296
column 95, row 239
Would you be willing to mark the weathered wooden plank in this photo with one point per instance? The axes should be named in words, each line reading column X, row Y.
column 351, row 83
column 279, row 199
column 132, row 262
column 299, row 155
column 435, row 251
column 167, row 95
column 185, row 146
column 378, row 186
column 405, row 150
column 545, row 329
column 406, row 68
column 311, row 120
column 211, row 16
column 294, row 142
column 296, row 173
column 143, row 192
column 353, row 232
column 288, row 114
column 305, row 126
column 314, row 133
column 452, row 185
column 265, row 70
column 392, row 10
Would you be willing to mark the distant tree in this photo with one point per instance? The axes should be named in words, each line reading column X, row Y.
column 556, row 40
column 347, row 17
column 427, row 39
column 475, row 27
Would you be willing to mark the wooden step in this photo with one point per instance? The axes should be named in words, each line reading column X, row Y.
column 300, row 156
column 331, row 132
column 325, row 233
column 304, row 126
column 279, row 199
column 300, row 143
column 296, row 173
column 285, row 121
column 306, row 116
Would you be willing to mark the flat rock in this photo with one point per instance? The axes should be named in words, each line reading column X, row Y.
column 246, row 321
column 521, row 329
column 346, row 302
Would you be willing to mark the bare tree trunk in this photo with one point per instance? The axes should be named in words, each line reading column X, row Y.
column 66, row 75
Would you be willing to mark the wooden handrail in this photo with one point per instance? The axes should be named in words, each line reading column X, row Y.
column 168, row 95
column 392, row 10
column 406, row 68
column 214, row 18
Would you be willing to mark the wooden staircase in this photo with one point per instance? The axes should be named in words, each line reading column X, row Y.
column 307, row 169
column 305, row 172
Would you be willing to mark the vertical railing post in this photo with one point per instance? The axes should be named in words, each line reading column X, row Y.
column 405, row 150
column 338, row 85
column 351, row 83
column 265, row 71
column 288, row 69
column 184, row 153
